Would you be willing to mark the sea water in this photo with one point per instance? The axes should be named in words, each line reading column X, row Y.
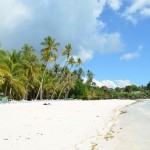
column 132, row 130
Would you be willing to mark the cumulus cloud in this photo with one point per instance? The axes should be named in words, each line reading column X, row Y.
column 137, row 10
column 108, row 43
column 133, row 55
column 130, row 56
column 12, row 13
column 84, row 54
column 113, row 84
column 114, row 4
column 72, row 21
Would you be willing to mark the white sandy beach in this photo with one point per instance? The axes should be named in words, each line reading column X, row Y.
column 63, row 125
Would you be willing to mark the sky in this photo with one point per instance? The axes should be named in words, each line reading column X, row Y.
column 110, row 36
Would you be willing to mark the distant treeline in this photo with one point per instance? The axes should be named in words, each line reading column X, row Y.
column 24, row 75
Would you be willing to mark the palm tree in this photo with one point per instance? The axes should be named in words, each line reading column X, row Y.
column 67, row 51
column 56, row 69
column 31, row 66
column 47, row 56
column 13, row 78
column 71, row 82
column 79, row 62
column 90, row 76
column 80, row 73
column 48, row 84
column 67, row 80
column 71, row 62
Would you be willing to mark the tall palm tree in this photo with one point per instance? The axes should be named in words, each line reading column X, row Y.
column 67, row 80
column 79, row 62
column 14, row 78
column 71, row 62
column 80, row 71
column 56, row 68
column 67, row 51
column 90, row 76
column 71, row 82
column 48, row 84
column 31, row 66
column 47, row 55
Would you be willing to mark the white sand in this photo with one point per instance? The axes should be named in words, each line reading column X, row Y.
column 63, row 125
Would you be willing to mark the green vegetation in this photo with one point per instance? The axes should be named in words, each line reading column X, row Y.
column 24, row 75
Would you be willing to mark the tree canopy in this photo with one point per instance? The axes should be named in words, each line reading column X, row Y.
column 25, row 75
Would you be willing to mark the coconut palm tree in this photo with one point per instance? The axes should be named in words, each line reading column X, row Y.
column 31, row 66
column 67, row 80
column 79, row 62
column 13, row 79
column 70, row 84
column 48, row 84
column 67, row 51
column 47, row 56
column 90, row 76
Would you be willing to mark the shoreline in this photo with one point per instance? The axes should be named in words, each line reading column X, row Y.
column 119, row 129
column 114, row 120
column 108, row 134
column 83, row 123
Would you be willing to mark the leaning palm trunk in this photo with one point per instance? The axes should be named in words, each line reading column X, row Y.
column 41, row 84
column 67, row 94
column 61, row 91
column 6, row 89
column 54, row 92
column 64, row 86
column 57, row 85
column 40, row 88
column 25, row 96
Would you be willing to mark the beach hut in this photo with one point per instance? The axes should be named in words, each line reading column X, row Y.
column 3, row 99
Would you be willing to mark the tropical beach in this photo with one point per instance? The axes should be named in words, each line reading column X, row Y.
column 74, row 75
column 59, row 125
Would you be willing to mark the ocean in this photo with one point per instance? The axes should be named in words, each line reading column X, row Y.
column 132, row 129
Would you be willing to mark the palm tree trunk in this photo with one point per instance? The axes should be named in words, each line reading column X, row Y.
column 57, row 85
column 6, row 90
column 41, row 90
column 61, row 91
column 53, row 93
column 41, row 84
column 67, row 94
column 10, row 92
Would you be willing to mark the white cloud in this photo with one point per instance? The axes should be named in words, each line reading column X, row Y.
column 130, row 56
column 122, row 83
column 133, row 55
column 72, row 21
column 12, row 13
column 137, row 10
column 114, row 4
column 84, row 54
column 112, row 84
column 109, row 43
column 145, row 12
column 98, row 83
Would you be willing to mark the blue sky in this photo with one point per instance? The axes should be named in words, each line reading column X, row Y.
column 110, row 36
